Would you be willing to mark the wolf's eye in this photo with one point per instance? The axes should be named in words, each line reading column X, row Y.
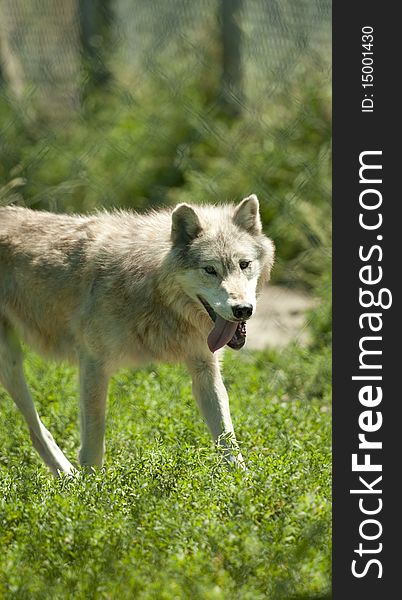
column 210, row 270
column 244, row 264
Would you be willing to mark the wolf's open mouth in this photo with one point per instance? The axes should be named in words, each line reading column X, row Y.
column 232, row 333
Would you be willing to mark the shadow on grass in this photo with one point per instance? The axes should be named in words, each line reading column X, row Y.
column 315, row 535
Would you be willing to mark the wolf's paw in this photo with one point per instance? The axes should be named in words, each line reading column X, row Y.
column 70, row 473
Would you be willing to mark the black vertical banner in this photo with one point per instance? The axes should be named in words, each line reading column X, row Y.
column 367, row 244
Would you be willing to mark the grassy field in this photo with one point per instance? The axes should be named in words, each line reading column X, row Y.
column 165, row 519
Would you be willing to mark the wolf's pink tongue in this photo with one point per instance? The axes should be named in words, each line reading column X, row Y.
column 221, row 334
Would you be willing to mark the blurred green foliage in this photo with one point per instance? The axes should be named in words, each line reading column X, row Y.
column 160, row 143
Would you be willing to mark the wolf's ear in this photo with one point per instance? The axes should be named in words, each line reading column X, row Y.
column 185, row 225
column 247, row 215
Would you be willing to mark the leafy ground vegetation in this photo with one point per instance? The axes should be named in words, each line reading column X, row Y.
column 164, row 519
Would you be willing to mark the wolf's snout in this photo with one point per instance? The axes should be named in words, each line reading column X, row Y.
column 242, row 311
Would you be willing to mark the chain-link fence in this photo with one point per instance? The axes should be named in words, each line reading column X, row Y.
column 42, row 41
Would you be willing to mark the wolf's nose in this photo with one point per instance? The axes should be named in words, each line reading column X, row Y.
column 242, row 311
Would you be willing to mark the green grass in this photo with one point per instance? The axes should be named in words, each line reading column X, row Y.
column 165, row 519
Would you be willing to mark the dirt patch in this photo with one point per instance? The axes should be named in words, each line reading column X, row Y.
column 280, row 318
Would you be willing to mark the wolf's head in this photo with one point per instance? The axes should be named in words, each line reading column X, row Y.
column 225, row 259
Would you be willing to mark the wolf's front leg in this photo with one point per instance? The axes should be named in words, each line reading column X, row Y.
column 212, row 398
column 93, row 393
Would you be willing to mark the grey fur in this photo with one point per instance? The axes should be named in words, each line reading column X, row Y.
column 121, row 289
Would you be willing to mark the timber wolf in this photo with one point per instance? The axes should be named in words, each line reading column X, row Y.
column 122, row 289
